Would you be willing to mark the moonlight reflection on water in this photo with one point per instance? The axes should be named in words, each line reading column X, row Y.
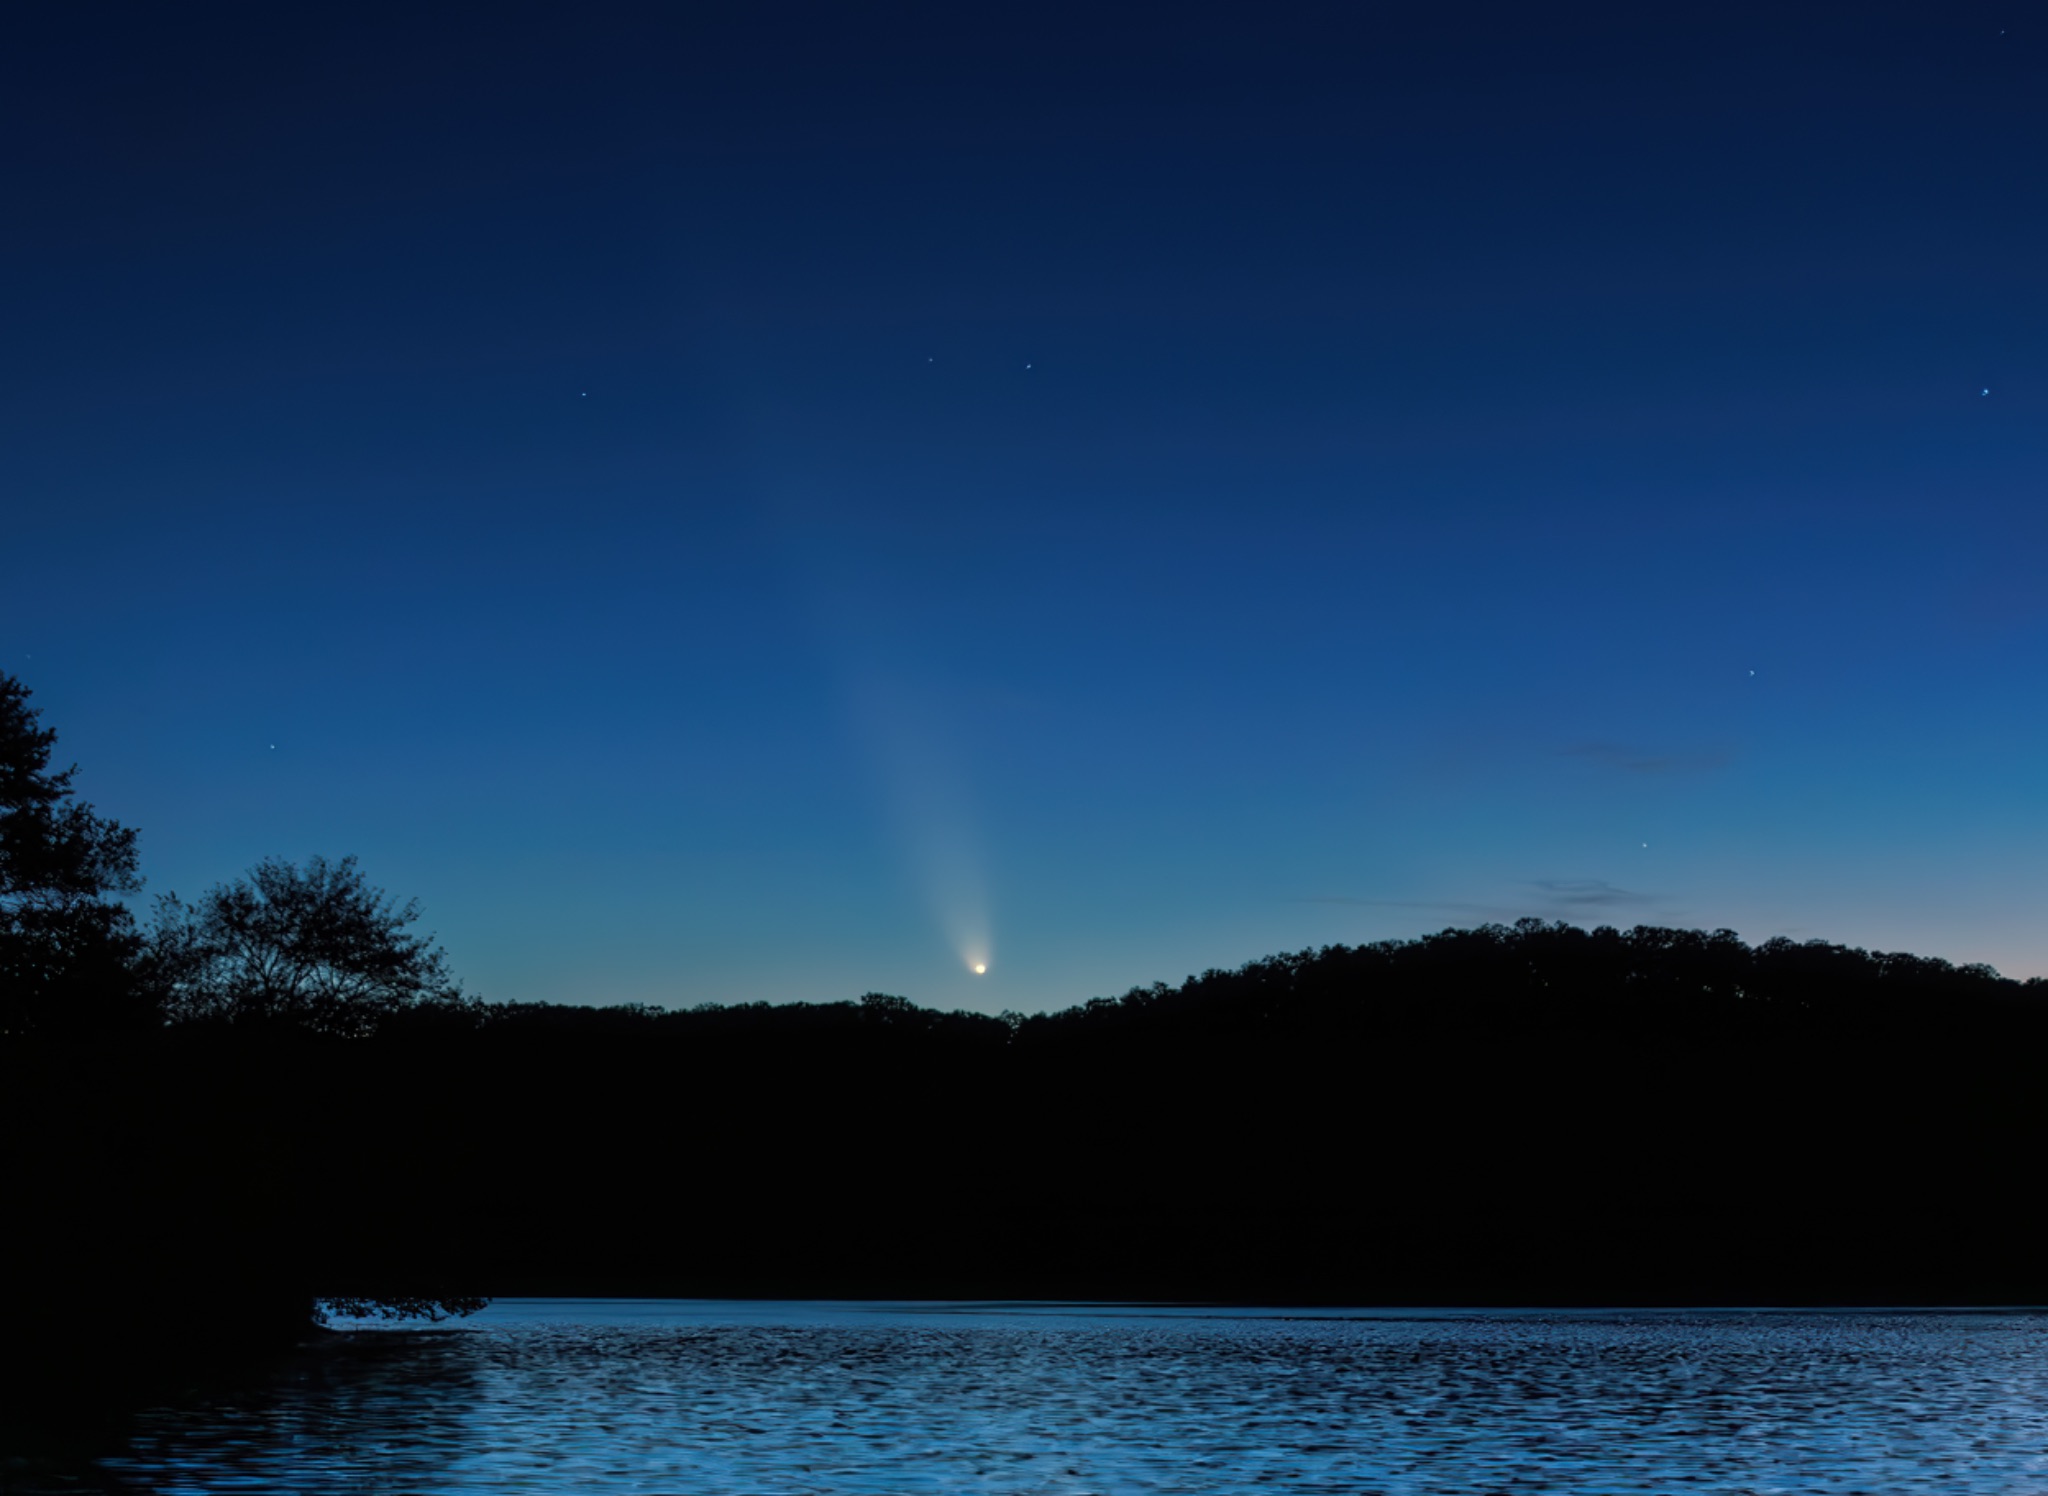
column 716, row 1398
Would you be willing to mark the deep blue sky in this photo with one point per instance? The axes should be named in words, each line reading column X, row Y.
column 751, row 501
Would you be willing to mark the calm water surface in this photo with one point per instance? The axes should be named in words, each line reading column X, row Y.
column 762, row 1398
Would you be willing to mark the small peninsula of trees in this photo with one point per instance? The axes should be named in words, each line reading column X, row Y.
column 136, row 1162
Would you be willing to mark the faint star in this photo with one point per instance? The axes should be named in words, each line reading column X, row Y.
column 1983, row 392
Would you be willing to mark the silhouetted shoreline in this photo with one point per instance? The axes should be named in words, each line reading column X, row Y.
column 1535, row 1115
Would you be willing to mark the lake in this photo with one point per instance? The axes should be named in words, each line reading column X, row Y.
column 710, row 1398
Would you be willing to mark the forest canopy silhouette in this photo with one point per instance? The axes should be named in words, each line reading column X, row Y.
column 278, row 1095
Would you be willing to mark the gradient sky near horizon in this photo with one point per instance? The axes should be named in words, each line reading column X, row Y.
column 751, row 501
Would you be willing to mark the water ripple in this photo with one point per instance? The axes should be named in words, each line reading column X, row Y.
column 763, row 1400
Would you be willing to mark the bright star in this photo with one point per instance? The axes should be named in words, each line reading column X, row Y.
column 981, row 968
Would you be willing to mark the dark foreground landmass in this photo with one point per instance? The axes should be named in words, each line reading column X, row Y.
column 1528, row 1115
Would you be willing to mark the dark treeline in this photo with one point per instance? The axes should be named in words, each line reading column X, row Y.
column 278, row 1095
column 1535, row 1114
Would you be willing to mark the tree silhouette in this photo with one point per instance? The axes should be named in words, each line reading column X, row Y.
column 315, row 948
column 68, row 949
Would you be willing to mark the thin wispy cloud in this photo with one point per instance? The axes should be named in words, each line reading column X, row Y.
column 1591, row 893
column 1556, row 898
column 1484, row 911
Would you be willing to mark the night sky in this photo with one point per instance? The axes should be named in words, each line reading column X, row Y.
column 727, row 502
